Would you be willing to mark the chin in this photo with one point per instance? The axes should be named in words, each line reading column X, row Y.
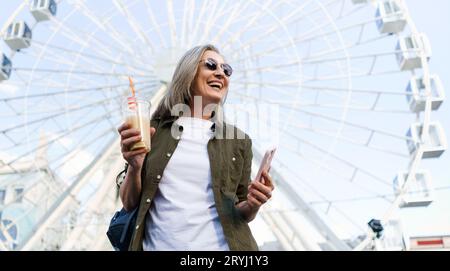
column 215, row 97
column 215, row 100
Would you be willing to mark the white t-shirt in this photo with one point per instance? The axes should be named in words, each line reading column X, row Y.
column 183, row 215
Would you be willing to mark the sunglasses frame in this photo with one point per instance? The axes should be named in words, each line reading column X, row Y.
column 212, row 65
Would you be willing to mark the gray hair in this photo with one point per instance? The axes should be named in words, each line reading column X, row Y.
column 179, row 89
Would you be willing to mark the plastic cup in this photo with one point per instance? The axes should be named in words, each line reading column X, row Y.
column 137, row 114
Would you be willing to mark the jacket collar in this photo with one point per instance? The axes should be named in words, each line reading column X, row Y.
column 217, row 127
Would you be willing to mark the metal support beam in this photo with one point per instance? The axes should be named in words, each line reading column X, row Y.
column 289, row 192
column 60, row 207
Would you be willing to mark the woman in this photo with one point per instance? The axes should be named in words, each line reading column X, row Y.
column 193, row 188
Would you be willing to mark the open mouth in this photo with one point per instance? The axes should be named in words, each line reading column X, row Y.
column 215, row 85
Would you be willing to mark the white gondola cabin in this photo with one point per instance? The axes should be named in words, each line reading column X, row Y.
column 43, row 10
column 419, row 191
column 409, row 50
column 416, row 93
column 18, row 36
column 5, row 68
column 435, row 144
column 390, row 17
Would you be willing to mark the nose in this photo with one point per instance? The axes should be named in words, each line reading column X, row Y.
column 219, row 73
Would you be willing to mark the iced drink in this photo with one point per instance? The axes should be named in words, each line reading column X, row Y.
column 137, row 115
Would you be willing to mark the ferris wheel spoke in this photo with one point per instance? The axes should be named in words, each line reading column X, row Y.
column 69, row 109
column 62, row 133
column 93, row 66
column 325, row 198
column 304, row 38
column 134, row 24
column 350, row 107
column 73, row 129
column 281, row 23
column 83, row 38
column 201, row 14
column 340, row 159
column 236, row 9
column 365, row 143
column 87, row 57
column 336, row 120
column 230, row 13
column 250, row 19
column 172, row 23
column 281, row 72
column 320, row 149
column 295, row 84
column 105, row 25
column 124, row 75
column 310, row 61
column 188, row 10
column 386, row 197
column 343, row 49
column 141, row 84
column 154, row 23
column 348, row 218
column 282, row 44
column 58, row 114
column 215, row 12
column 315, row 33
column 355, row 125
column 355, row 104
column 61, row 160
column 350, row 75
column 318, row 61
column 335, row 172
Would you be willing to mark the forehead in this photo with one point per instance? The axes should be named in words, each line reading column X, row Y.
column 214, row 55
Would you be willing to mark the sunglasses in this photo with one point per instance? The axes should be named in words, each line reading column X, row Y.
column 212, row 64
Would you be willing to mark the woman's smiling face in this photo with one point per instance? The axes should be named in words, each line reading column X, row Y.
column 211, row 85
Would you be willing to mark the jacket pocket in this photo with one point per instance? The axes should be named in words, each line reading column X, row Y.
column 235, row 166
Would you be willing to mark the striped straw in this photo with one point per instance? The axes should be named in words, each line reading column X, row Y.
column 132, row 99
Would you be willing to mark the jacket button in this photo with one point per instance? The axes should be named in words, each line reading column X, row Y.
column 178, row 137
column 158, row 177
column 233, row 159
column 168, row 154
column 137, row 227
column 148, row 200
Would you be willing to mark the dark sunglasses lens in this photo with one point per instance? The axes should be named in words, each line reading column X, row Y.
column 227, row 70
column 211, row 64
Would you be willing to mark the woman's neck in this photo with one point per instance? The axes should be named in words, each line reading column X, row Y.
column 206, row 112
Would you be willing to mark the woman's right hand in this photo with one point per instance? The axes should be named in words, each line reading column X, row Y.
column 128, row 137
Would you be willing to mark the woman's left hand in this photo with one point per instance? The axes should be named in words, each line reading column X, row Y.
column 259, row 192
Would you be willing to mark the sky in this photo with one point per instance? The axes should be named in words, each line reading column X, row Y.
column 424, row 14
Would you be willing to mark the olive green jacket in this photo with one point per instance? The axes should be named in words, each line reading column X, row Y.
column 230, row 161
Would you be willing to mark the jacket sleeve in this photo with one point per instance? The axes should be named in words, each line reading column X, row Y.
column 242, row 189
column 154, row 124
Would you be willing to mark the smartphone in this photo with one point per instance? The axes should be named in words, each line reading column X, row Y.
column 265, row 164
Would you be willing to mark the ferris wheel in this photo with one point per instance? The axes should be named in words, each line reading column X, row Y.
column 346, row 82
